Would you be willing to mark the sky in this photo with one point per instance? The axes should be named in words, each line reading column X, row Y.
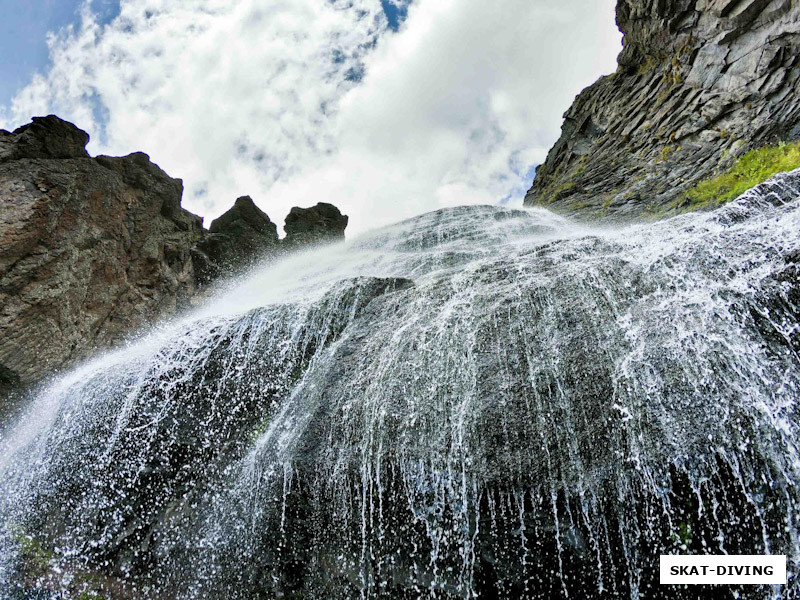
column 386, row 108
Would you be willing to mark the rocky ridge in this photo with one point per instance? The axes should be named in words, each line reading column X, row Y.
column 95, row 249
column 699, row 83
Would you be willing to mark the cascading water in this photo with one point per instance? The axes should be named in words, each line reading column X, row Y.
column 478, row 402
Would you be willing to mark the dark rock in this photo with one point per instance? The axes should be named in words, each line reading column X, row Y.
column 699, row 83
column 9, row 380
column 212, row 403
column 247, row 218
column 45, row 137
column 90, row 249
column 13, row 394
column 320, row 224
column 93, row 250
column 236, row 240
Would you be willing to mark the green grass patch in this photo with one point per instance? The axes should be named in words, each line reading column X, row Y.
column 753, row 168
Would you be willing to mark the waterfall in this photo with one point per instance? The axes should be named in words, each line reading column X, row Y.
column 479, row 402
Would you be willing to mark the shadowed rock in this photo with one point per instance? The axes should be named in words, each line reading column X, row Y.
column 9, row 381
column 45, row 137
column 237, row 239
column 320, row 224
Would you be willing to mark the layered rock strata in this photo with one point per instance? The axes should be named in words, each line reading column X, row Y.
column 699, row 83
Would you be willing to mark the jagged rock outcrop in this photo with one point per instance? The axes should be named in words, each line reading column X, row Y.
column 320, row 224
column 95, row 249
column 699, row 83
column 91, row 249
column 236, row 240
column 44, row 137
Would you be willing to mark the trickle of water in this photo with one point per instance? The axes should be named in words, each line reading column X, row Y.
column 475, row 403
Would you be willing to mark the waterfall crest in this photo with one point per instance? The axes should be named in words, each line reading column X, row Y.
column 478, row 402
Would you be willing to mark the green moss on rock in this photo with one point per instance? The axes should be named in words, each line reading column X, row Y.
column 753, row 168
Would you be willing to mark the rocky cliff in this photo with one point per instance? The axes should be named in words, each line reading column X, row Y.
column 90, row 248
column 699, row 84
column 95, row 249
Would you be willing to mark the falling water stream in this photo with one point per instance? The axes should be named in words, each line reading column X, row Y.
column 475, row 403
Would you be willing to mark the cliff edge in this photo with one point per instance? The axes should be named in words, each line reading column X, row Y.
column 699, row 84
column 93, row 250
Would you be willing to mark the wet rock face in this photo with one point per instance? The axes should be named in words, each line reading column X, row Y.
column 316, row 225
column 91, row 249
column 699, row 83
column 237, row 239
column 9, row 381
column 195, row 448
column 497, row 409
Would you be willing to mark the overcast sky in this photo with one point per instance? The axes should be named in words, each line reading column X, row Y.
column 386, row 108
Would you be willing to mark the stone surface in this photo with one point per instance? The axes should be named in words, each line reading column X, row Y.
column 597, row 375
column 236, row 240
column 320, row 224
column 9, row 381
column 93, row 250
column 44, row 137
column 699, row 83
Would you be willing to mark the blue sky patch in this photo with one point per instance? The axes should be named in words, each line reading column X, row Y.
column 23, row 36
column 396, row 12
column 523, row 186
column 25, row 25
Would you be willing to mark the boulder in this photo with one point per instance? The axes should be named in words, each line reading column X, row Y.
column 320, row 224
column 237, row 240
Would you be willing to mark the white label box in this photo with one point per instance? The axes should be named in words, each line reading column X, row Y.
column 723, row 569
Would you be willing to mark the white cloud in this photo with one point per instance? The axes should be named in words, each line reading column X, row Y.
column 266, row 97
